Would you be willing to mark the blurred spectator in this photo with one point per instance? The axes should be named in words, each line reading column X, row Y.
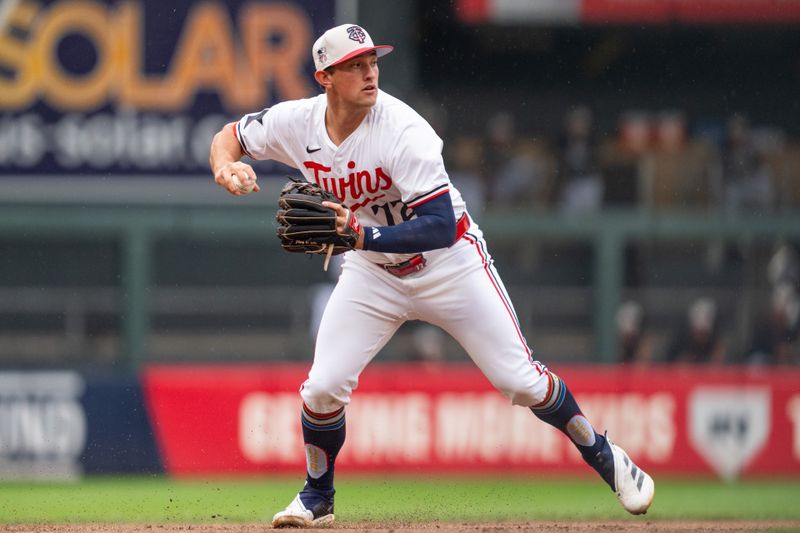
column 677, row 169
column 499, row 148
column 579, row 183
column 636, row 345
column 745, row 182
column 464, row 160
column 698, row 340
column 635, row 132
column 514, row 171
column 784, row 266
column 743, row 185
column 774, row 340
column 784, row 159
column 523, row 180
column 620, row 158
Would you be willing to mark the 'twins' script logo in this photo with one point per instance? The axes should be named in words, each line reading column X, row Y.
column 357, row 185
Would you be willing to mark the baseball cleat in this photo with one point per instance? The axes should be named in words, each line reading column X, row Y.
column 633, row 486
column 309, row 509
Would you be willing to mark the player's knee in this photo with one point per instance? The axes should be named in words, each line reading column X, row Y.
column 525, row 392
column 325, row 395
column 524, row 397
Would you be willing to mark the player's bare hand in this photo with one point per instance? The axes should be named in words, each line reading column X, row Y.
column 342, row 216
column 237, row 177
column 347, row 223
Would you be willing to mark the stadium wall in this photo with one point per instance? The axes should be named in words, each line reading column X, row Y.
column 190, row 420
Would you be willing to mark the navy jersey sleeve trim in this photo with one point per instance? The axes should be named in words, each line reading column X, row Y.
column 422, row 198
column 251, row 117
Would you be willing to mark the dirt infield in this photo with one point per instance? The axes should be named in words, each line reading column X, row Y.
column 548, row 526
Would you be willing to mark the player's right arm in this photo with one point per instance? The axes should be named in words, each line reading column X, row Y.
column 224, row 159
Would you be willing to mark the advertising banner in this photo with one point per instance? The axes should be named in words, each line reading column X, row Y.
column 140, row 86
column 61, row 424
column 690, row 11
column 245, row 419
column 570, row 12
column 43, row 426
column 119, row 436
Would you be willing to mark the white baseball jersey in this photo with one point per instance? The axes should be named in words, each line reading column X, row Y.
column 391, row 163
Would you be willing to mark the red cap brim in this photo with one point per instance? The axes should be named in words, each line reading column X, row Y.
column 381, row 50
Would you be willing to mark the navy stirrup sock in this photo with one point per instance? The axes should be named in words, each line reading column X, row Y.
column 560, row 410
column 324, row 436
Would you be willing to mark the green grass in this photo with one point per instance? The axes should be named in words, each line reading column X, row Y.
column 442, row 498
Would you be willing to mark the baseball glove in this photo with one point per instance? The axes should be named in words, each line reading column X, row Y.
column 306, row 226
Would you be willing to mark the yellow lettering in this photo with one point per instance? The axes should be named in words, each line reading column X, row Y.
column 272, row 54
column 62, row 88
column 134, row 88
column 20, row 91
column 205, row 58
column 277, row 60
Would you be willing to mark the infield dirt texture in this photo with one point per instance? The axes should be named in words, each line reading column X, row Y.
column 700, row 526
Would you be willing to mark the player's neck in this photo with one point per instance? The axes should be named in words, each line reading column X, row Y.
column 341, row 120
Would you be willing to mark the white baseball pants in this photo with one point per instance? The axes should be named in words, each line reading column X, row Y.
column 459, row 290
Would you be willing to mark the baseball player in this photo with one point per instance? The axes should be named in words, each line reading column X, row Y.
column 418, row 255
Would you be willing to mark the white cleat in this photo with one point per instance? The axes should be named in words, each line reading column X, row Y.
column 634, row 487
column 297, row 515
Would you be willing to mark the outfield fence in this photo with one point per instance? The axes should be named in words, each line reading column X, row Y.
column 124, row 284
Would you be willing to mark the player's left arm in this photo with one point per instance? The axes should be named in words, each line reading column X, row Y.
column 434, row 227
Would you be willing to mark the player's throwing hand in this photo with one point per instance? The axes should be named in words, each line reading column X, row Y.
column 238, row 177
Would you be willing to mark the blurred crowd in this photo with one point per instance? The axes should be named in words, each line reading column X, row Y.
column 701, row 336
column 652, row 161
column 704, row 334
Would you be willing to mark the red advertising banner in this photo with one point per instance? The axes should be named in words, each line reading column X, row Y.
column 629, row 12
column 690, row 11
column 214, row 419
